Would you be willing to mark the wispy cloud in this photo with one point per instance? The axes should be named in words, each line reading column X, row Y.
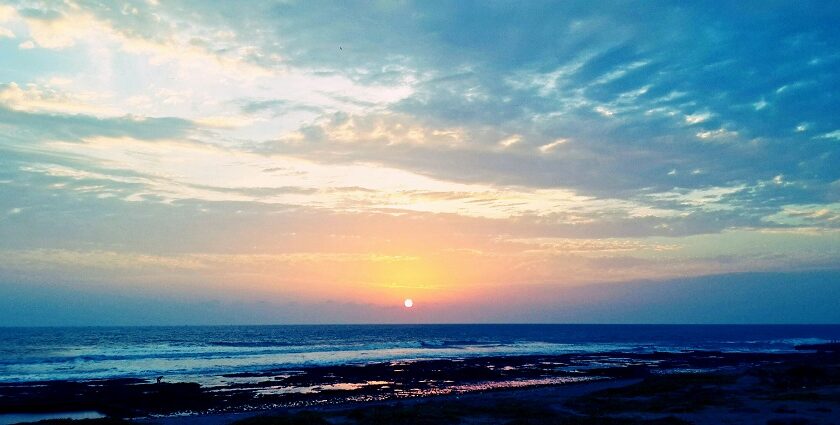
column 529, row 143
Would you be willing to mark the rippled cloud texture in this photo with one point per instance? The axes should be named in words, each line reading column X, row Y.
column 453, row 152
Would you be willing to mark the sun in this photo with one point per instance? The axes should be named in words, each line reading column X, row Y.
column 408, row 303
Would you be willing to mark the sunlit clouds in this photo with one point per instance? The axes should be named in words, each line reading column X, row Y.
column 367, row 152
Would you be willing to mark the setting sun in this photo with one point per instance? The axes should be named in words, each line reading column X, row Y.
column 237, row 194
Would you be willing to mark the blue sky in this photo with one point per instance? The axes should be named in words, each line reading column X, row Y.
column 451, row 152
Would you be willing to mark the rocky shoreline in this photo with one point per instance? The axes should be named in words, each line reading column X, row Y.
column 343, row 386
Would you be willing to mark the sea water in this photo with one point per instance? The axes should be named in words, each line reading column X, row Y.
column 14, row 418
column 202, row 354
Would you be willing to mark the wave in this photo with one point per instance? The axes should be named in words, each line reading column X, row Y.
column 261, row 343
column 460, row 343
column 41, row 354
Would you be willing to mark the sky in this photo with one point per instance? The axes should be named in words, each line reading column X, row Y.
column 309, row 161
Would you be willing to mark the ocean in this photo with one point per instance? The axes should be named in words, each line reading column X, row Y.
column 203, row 354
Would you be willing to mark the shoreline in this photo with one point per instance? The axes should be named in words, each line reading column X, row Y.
column 563, row 391
column 331, row 390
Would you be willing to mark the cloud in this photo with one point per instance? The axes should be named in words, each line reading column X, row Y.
column 549, row 147
column 831, row 135
column 716, row 134
column 510, row 141
column 819, row 215
column 494, row 143
column 35, row 98
column 697, row 118
column 566, row 245
column 195, row 57
column 110, row 260
column 66, row 27
column 379, row 188
column 50, row 126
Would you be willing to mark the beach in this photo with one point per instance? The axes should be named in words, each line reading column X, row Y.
column 699, row 387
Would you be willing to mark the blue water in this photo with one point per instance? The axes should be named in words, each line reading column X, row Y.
column 201, row 354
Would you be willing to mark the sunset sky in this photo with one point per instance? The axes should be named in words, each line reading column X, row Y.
column 323, row 161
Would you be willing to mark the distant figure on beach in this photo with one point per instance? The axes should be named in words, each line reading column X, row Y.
column 159, row 378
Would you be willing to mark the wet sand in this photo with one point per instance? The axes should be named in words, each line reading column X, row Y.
column 343, row 413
